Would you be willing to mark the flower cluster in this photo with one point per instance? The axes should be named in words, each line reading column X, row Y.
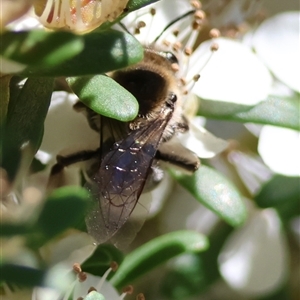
column 238, row 70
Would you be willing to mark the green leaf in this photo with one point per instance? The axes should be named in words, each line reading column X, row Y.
column 215, row 192
column 11, row 229
column 62, row 209
column 39, row 47
column 103, row 51
column 93, row 295
column 4, row 99
column 193, row 274
column 283, row 112
column 96, row 93
column 21, row 275
column 25, row 122
column 156, row 252
column 282, row 193
column 137, row 4
column 99, row 262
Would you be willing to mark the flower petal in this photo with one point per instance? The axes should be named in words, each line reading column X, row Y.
column 65, row 128
column 107, row 290
column 276, row 42
column 254, row 258
column 233, row 74
column 166, row 11
column 279, row 149
column 202, row 142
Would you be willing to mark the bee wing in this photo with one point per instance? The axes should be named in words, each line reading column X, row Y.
column 119, row 182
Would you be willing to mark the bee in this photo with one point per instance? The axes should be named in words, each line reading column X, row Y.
column 128, row 160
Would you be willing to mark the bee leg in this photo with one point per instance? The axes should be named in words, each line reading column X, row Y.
column 175, row 153
column 57, row 176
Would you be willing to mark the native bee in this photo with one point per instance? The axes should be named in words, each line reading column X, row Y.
column 129, row 155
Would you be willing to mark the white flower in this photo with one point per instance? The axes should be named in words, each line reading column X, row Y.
column 233, row 74
column 253, row 260
column 78, row 16
column 279, row 149
column 276, row 42
column 60, row 283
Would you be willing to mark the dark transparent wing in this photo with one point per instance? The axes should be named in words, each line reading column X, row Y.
column 116, row 187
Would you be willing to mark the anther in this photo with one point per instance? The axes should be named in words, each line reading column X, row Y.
column 175, row 67
column 196, row 77
column 166, row 43
column 114, row 266
column 128, row 290
column 214, row 47
column 196, row 25
column 152, row 11
column 183, row 81
column 140, row 297
column 188, row 51
column 196, row 4
column 141, row 24
column 214, row 33
column 199, row 15
column 91, row 289
column 77, row 268
column 82, row 276
column 175, row 32
column 177, row 46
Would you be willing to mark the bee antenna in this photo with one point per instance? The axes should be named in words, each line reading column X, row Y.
column 173, row 22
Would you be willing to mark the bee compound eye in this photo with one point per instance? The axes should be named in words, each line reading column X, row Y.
column 170, row 57
column 173, row 97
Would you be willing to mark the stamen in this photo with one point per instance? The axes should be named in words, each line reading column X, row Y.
column 92, row 289
column 126, row 291
column 199, row 15
column 140, row 297
column 177, row 46
column 196, row 4
column 82, row 276
column 191, row 83
column 113, row 266
column 214, row 33
column 214, row 47
column 175, row 32
column 152, row 13
column 46, row 13
column 175, row 67
column 77, row 268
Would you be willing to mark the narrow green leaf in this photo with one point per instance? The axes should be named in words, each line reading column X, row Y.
column 103, row 51
column 4, row 99
column 137, row 4
column 156, row 252
column 215, row 192
column 24, row 125
column 62, row 209
column 283, row 112
column 39, row 47
column 282, row 193
column 27, row 113
column 7, row 229
column 197, row 271
column 96, row 93
column 99, row 262
column 21, row 275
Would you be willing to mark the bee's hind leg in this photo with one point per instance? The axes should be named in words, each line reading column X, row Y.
column 174, row 153
column 58, row 176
